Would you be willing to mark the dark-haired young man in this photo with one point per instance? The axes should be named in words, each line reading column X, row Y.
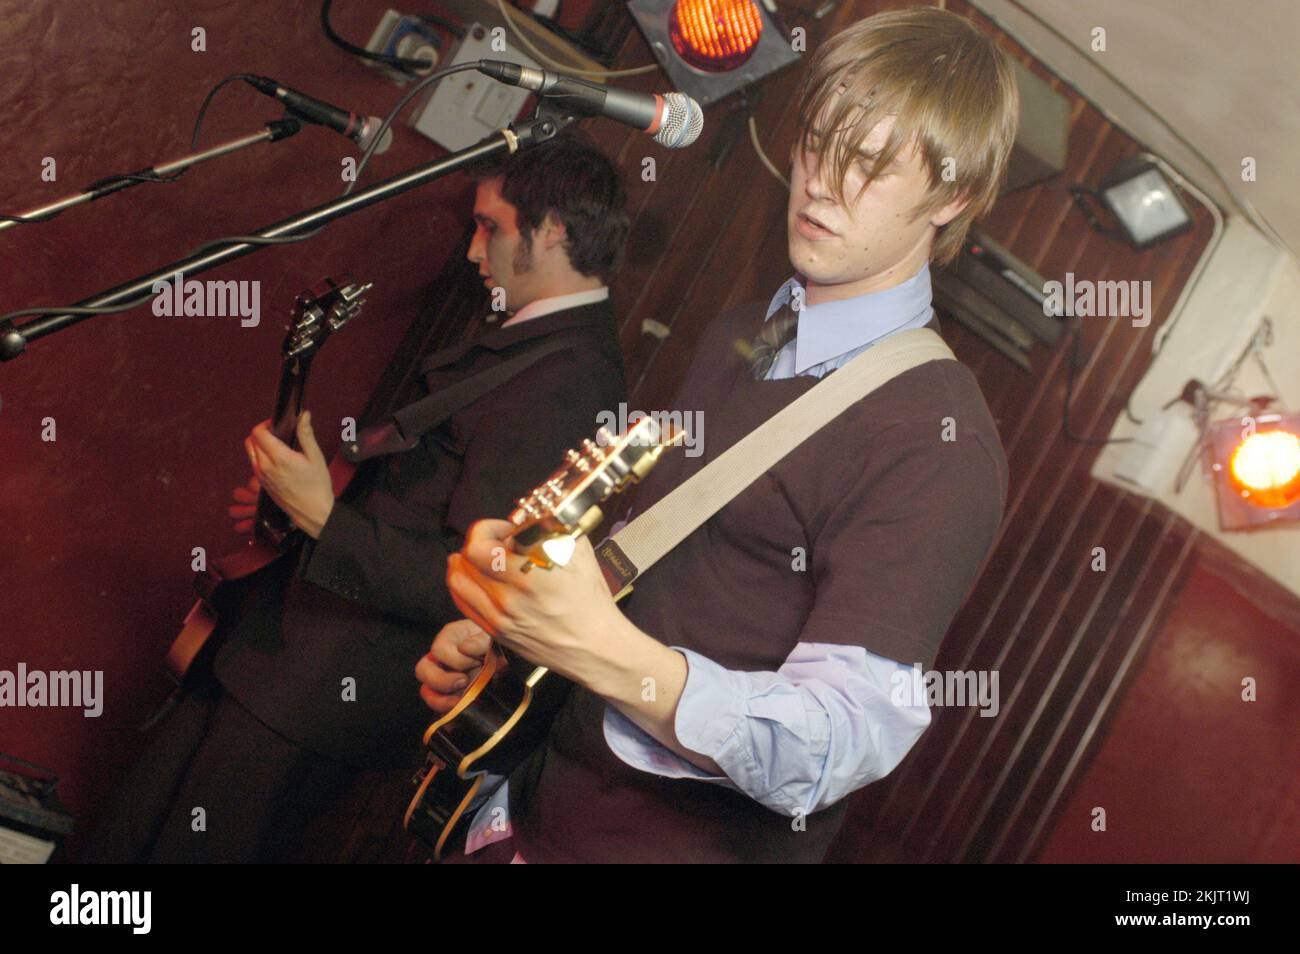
column 315, row 676
column 762, row 670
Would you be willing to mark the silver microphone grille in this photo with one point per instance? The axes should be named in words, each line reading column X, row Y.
column 683, row 121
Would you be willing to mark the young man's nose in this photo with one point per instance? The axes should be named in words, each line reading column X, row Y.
column 813, row 185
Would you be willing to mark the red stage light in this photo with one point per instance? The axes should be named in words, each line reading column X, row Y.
column 715, row 35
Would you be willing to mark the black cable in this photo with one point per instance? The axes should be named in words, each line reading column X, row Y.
column 207, row 101
column 71, row 310
column 1128, row 412
column 406, row 65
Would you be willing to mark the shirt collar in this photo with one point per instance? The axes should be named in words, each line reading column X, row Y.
column 545, row 306
column 833, row 328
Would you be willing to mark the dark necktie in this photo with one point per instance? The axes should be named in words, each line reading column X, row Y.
column 775, row 335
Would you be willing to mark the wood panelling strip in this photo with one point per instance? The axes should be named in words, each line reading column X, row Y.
column 1117, row 679
column 1117, row 562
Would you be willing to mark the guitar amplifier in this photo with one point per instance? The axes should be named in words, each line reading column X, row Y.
column 33, row 823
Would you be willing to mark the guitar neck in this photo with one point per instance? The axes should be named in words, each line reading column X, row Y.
column 273, row 526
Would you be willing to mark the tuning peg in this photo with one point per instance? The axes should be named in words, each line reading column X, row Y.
column 351, row 292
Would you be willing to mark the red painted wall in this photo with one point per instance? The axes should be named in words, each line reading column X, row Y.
column 96, row 527
column 1189, row 771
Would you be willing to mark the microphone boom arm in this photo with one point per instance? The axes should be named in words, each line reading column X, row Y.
column 14, row 338
column 274, row 131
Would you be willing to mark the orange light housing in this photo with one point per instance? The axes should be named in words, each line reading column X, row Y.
column 715, row 35
column 1265, row 468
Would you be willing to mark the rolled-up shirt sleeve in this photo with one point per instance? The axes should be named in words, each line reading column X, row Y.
column 796, row 740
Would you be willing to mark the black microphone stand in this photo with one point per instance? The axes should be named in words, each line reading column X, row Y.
column 544, row 125
column 274, row 131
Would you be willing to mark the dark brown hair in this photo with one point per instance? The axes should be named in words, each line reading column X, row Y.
column 570, row 177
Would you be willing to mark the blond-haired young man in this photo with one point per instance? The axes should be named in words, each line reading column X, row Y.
column 774, row 680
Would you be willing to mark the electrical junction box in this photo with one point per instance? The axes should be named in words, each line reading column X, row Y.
column 1151, row 461
column 467, row 106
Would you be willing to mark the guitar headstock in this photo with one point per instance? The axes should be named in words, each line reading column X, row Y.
column 567, row 505
column 319, row 312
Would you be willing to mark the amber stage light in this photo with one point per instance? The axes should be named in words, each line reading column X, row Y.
column 1256, row 463
column 1265, row 468
column 713, row 48
column 715, row 35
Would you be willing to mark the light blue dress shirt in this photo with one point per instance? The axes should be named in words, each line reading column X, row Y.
column 799, row 739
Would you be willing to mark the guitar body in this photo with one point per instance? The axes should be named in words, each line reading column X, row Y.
column 503, row 716
column 222, row 587
column 190, row 657
column 318, row 313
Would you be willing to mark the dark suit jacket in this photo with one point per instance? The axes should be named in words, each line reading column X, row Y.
column 324, row 652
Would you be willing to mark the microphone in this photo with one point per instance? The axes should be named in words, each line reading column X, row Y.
column 360, row 129
column 674, row 119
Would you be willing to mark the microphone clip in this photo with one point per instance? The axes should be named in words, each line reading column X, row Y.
column 554, row 110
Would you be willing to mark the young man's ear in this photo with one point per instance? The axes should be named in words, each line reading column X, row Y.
column 949, row 212
column 552, row 231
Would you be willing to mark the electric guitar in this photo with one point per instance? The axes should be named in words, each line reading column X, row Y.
column 318, row 313
column 505, row 713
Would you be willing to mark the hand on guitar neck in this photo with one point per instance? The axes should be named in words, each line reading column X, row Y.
column 298, row 481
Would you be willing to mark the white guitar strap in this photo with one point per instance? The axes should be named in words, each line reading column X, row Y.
column 639, row 545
